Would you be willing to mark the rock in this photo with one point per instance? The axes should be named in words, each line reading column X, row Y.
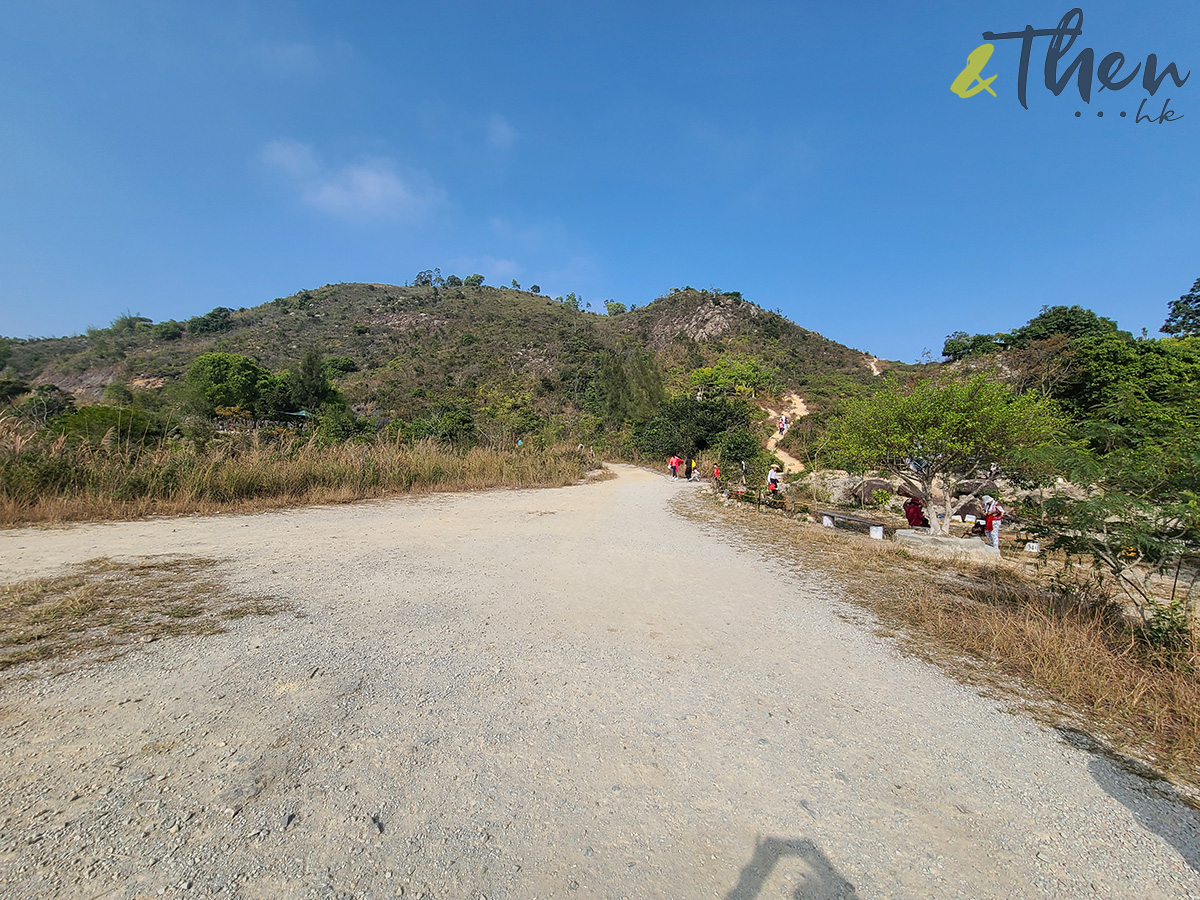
column 925, row 544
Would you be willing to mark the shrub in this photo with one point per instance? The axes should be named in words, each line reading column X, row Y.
column 109, row 425
column 218, row 320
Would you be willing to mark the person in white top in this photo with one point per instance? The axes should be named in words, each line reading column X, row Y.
column 994, row 512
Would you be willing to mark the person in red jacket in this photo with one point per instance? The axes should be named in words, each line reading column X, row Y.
column 915, row 513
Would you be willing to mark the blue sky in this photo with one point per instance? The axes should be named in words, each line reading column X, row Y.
column 165, row 158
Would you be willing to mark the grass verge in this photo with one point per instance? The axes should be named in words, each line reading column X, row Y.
column 69, row 484
column 1067, row 654
column 103, row 608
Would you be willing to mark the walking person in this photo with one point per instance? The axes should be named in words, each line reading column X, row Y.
column 687, row 470
column 994, row 512
column 773, row 479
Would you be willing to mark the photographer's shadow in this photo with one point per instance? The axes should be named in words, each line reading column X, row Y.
column 820, row 881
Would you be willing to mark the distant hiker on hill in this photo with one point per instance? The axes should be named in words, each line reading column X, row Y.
column 773, row 479
column 673, row 465
column 915, row 513
column 716, row 475
column 687, row 470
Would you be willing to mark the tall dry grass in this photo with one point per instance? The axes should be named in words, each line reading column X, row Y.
column 61, row 483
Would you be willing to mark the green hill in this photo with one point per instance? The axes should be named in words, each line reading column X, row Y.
column 398, row 350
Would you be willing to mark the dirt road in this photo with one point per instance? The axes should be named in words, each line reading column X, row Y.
column 561, row 693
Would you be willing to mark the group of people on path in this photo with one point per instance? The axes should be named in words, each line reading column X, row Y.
column 993, row 514
column 691, row 470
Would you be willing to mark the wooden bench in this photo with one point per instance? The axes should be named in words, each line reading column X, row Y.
column 828, row 519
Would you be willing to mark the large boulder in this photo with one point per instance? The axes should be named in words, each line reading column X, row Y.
column 923, row 543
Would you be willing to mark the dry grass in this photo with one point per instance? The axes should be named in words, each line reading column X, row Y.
column 1067, row 653
column 103, row 608
column 62, row 484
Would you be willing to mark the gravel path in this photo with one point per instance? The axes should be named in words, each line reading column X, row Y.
column 531, row 694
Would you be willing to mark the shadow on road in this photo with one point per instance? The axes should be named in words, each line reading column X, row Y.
column 821, row 881
column 1156, row 804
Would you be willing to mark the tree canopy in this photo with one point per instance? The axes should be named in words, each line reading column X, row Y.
column 1183, row 318
column 945, row 430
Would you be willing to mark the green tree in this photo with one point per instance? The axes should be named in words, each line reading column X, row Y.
column 311, row 388
column 1073, row 321
column 230, row 380
column 613, row 308
column 944, row 431
column 734, row 374
column 1136, row 407
column 626, row 388
column 475, row 280
column 1184, row 317
column 685, row 425
column 960, row 345
column 1141, row 514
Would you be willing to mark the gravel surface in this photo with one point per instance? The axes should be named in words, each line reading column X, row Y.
column 530, row 694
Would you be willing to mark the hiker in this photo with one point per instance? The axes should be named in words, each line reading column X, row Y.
column 991, row 525
column 773, row 479
column 687, row 470
column 695, row 471
column 716, row 475
column 915, row 513
column 673, row 465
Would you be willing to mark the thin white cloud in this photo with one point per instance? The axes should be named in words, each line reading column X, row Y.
column 285, row 58
column 367, row 191
column 500, row 133
column 293, row 158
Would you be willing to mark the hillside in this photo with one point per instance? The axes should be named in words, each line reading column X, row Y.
column 402, row 348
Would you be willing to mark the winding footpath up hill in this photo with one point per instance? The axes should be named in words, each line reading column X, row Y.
column 518, row 694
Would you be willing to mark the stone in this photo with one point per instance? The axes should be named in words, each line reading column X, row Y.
column 925, row 544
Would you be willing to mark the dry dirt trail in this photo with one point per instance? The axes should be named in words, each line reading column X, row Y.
column 560, row 693
column 795, row 408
